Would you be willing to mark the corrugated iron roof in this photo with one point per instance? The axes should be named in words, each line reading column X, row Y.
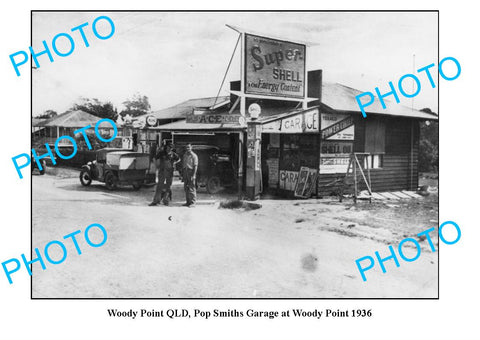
column 342, row 98
column 334, row 96
column 37, row 122
column 183, row 125
column 76, row 118
column 181, row 110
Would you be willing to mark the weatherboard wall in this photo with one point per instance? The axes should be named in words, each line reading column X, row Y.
column 400, row 159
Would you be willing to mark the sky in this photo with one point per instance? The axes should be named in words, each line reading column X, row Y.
column 174, row 56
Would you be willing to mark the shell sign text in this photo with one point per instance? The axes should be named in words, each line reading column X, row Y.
column 274, row 67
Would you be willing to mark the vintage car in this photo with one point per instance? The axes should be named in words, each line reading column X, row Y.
column 116, row 167
column 35, row 166
column 40, row 149
column 215, row 168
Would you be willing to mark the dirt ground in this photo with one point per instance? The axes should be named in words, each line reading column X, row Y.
column 285, row 249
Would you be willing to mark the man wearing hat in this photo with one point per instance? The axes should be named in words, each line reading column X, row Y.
column 166, row 160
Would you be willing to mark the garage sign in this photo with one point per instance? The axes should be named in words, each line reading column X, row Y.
column 303, row 122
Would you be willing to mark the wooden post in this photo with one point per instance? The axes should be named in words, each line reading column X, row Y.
column 241, row 135
column 369, row 180
column 355, row 178
column 318, row 150
column 411, row 156
column 363, row 175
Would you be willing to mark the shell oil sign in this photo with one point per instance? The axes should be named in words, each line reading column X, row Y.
column 274, row 67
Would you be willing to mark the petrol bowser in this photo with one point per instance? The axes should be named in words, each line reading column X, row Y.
column 254, row 147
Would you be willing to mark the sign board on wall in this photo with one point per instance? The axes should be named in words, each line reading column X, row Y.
column 334, row 148
column 272, row 165
column 274, row 67
column 337, row 127
column 300, row 123
column 333, row 164
column 338, row 134
column 214, row 118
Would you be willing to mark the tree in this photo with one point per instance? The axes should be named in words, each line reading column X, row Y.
column 136, row 106
column 427, row 110
column 97, row 108
column 47, row 114
column 95, row 142
column 428, row 148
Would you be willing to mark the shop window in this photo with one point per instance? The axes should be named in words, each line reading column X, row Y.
column 374, row 161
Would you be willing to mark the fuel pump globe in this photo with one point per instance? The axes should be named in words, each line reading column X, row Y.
column 254, row 111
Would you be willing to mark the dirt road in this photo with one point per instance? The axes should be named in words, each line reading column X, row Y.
column 286, row 249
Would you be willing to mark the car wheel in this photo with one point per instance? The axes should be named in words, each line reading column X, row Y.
column 110, row 181
column 85, row 178
column 44, row 167
column 136, row 185
column 213, row 185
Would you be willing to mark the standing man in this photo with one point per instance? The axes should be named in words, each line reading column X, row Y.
column 190, row 166
column 166, row 160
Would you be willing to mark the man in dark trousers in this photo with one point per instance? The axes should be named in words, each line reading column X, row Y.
column 166, row 160
column 190, row 166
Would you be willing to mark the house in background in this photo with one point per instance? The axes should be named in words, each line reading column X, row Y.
column 48, row 130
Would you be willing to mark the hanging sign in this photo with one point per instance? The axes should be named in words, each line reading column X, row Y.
column 274, row 67
column 151, row 120
column 139, row 124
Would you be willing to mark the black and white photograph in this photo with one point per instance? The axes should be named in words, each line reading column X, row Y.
column 235, row 155
column 254, row 170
